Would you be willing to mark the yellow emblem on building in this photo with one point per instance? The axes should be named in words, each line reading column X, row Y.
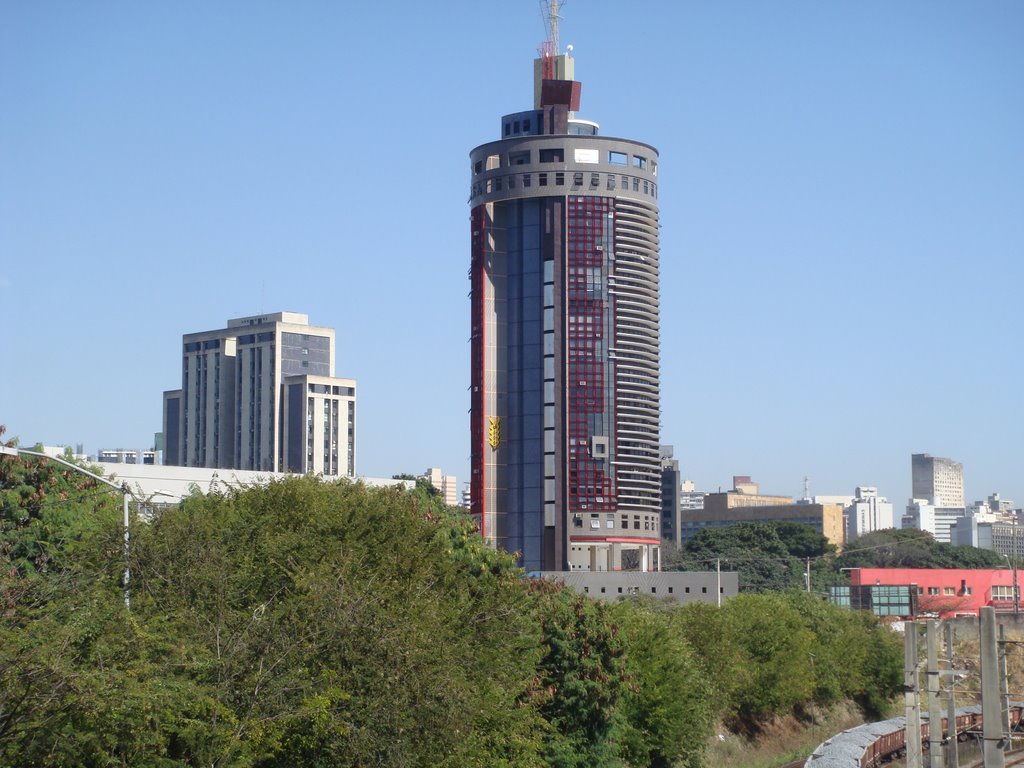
column 494, row 431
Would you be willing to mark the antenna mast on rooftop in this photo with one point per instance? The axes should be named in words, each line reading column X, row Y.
column 549, row 48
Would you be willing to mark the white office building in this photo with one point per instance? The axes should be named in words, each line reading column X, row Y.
column 868, row 512
column 156, row 486
column 925, row 516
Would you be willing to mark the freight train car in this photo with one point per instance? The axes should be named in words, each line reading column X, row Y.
column 874, row 744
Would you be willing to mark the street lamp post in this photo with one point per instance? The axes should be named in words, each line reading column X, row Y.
column 122, row 489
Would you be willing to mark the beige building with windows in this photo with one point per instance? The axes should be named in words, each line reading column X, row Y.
column 446, row 485
column 750, row 506
column 938, row 481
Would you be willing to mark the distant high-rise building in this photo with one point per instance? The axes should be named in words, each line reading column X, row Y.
column 938, row 481
column 565, row 403
column 690, row 497
column 261, row 394
column 671, row 496
column 1002, row 533
column 446, row 485
column 868, row 512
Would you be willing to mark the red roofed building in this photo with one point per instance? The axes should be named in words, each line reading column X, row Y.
column 946, row 592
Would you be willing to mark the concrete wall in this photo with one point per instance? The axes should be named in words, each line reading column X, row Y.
column 678, row 586
column 966, row 627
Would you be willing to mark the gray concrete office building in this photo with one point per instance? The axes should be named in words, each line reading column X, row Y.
column 565, row 394
column 261, row 395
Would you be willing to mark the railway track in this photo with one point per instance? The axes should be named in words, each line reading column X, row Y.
column 1016, row 757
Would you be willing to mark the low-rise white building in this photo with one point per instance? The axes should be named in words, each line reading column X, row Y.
column 128, row 456
column 158, row 485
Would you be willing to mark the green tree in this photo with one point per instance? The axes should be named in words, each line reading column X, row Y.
column 854, row 655
column 802, row 540
column 298, row 624
column 706, row 629
column 45, row 509
column 911, row 548
column 755, row 550
column 80, row 681
column 951, row 556
column 776, row 648
column 772, row 654
column 336, row 628
column 666, row 710
column 581, row 677
column 883, row 668
column 308, row 623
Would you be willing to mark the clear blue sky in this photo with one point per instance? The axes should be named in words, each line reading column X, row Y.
column 842, row 200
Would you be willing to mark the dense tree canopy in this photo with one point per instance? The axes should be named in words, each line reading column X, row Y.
column 322, row 624
column 669, row 697
column 772, row 654
column 911, row 548
column 767, row 556
column 774, row 556
column 45, row 508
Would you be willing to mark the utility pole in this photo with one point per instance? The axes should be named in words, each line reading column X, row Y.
column 1004, row 685
column 992, row 725
column 718, row 571
column 807, row 575
column 915, row 759
column 1012, row 565
column 1016, row 590
column 934, row 714
column 952, row 753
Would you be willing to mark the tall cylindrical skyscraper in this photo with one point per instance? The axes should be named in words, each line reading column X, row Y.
column 565, row 417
